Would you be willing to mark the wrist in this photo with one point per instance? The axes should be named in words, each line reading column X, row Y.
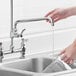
column 71, row 11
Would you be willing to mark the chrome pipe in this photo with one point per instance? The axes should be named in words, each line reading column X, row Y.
column 11, row 31
column 33, row 20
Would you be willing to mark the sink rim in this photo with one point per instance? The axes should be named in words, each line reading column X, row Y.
column 15, row 70
column 34, row 73
column 4, row 63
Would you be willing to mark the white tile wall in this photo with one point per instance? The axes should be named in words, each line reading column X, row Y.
column 64, row 38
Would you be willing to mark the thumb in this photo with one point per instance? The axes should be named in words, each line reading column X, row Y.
column 62, row 52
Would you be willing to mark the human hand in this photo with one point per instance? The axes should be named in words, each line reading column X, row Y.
column 58, row 14
column 69, row 53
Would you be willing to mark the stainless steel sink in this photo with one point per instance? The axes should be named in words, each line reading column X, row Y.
column 26, row 67
column 32, row 65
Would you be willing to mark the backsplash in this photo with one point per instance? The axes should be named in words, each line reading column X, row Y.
column 42, row 42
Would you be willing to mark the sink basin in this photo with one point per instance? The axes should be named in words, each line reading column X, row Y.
column 26, row 67
column 32, row 65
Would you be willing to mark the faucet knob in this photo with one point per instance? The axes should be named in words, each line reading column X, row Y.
column 23, row 49
column 1, row 52
column 22, row 32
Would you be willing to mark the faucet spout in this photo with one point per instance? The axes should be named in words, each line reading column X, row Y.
column 33, row 20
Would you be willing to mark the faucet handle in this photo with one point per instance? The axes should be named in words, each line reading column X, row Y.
column 22, row 32
column 1, row 52
column 14, row 33
column 22, row 48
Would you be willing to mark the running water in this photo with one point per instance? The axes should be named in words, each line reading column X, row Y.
column 52, row 41
column 57, row 65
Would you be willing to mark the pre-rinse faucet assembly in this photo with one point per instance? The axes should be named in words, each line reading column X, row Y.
column 14, row 34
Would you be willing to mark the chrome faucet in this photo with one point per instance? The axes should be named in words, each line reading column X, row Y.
column 14, row 33
column 32, row 20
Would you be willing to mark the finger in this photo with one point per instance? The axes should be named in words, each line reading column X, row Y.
column 63, row 57
column 68, row 61
column 72, row 61
column 57, row 19
column 62, row 52
column 49, row 13
column 54, row 15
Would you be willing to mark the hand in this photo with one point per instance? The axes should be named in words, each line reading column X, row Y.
column 58, row 14
column 69, row 53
